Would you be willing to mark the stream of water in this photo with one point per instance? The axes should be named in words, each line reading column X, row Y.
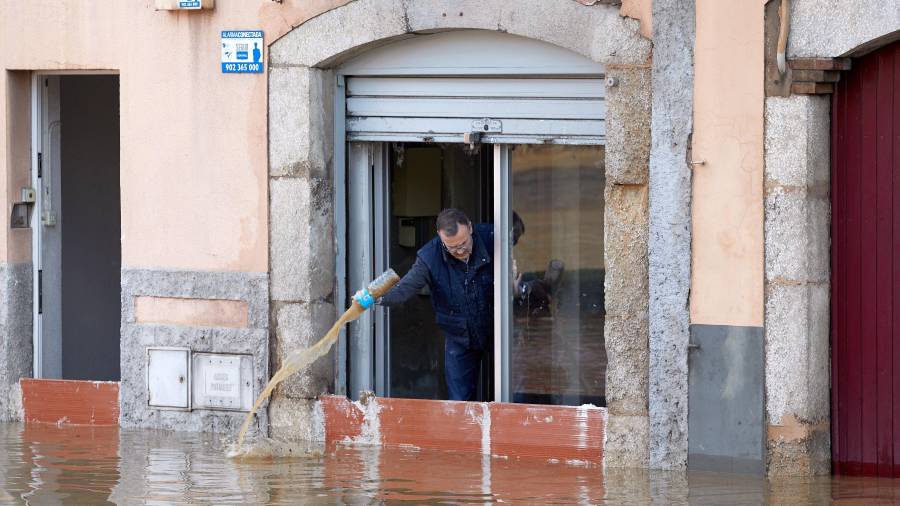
column 300, row 359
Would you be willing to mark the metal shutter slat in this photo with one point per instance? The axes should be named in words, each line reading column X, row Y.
column 530, row 109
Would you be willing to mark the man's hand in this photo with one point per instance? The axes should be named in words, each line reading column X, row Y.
column 364, row 298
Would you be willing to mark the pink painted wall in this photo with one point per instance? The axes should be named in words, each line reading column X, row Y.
column 193, row 141
column 206, row 313
column 642, row 10
column 18, row 154
column 727, row 201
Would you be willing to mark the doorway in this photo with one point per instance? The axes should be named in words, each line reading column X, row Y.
column 413, row 183
column 424, row 179
column 77, row 227
column 865, row 274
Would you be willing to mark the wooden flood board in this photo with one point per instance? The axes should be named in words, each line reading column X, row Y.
column 567, row 434
column 68, row 402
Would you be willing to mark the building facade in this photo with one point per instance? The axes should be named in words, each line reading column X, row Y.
column 182, row 230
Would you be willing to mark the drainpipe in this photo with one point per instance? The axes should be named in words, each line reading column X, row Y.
column 785, row 15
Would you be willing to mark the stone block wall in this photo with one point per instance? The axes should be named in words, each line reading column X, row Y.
column 16, row 336
column 301, row 246
column 826, row 28
column 137, row 336
column 797, row 270
column 669, row 241
column 626, row 285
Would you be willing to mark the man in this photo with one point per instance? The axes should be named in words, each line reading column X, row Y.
column 456, row 266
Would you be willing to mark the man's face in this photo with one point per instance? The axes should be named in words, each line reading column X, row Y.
column 459, row 245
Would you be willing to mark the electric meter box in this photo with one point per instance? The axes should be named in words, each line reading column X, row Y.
column 168, row 378
column 222, row 381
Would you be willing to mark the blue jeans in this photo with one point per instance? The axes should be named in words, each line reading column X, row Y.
column 462, row 367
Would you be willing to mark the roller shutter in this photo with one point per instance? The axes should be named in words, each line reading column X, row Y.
column 440, row 86
column 442, row 109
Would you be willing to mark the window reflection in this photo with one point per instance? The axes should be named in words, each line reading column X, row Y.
column 556, row 344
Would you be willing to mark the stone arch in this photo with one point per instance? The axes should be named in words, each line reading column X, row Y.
column 301, row 147
column 597, row 32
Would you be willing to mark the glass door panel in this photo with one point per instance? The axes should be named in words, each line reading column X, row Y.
column 555, row 346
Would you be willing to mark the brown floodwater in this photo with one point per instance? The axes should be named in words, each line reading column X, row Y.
column 45, row 465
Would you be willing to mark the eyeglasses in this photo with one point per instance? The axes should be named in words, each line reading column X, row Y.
column 459, row 250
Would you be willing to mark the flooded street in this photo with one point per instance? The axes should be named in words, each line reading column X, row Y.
column 44, row 465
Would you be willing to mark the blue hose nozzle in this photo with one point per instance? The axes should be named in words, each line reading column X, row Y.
column 364, row 298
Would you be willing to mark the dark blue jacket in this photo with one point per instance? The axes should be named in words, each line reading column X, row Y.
column 462, row 294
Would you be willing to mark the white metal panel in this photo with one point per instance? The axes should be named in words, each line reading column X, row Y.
column 523, row 86
column 471, row 52
column 222, row 381
column 520, row 121
column 489, row 139
column 359, row 128
column 38, row 105
column 168, row 377
column 471, row 107
column 340, row 229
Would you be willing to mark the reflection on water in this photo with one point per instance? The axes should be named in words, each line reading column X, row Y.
column 51, row 465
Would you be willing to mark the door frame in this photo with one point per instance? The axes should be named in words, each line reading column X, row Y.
column 38, row 106
column 367, row 242
column 502, row 271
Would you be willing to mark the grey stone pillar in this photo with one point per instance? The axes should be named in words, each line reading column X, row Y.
column 798, row 213
column 626, row 292
column 301, row 246
column 670, row 230
column 16, row 336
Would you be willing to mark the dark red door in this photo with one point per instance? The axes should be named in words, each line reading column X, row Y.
column 865, row 276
